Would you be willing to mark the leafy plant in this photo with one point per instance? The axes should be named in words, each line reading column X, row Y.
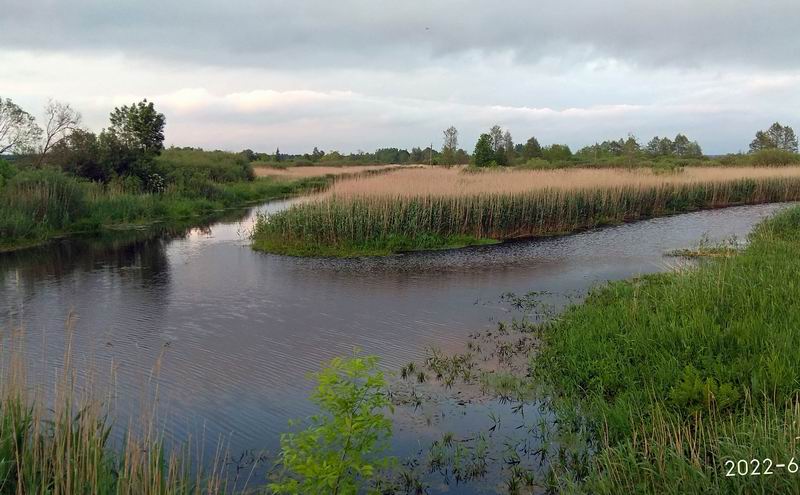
column 339, row 452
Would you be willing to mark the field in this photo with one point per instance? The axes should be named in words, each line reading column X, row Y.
column 440, row 208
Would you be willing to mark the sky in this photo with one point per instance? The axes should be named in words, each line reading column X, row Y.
column 357, row 75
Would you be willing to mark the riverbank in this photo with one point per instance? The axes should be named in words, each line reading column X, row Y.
column 684, row 382
column 50, row 205
column 437, row 209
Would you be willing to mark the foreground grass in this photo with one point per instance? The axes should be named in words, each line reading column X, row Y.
column 355, row 225
column 673, row 375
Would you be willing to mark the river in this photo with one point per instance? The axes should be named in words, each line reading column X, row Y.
column 240, row 330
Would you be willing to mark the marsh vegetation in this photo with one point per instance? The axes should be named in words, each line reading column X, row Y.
column 440, row 208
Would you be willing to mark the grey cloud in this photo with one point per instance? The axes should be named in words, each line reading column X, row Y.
column 399, row 35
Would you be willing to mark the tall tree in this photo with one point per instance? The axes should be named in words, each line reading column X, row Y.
column 484, row 153
column 18, row 130
column 139, row 126
column 680, row 145
column 496, row 133
column 449, row 146
column 450, row 138
column 532, row 149
column 777, row 136
column 508, row 147
column 60, row 121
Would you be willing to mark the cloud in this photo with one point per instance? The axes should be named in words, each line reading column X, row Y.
column 361, row 74
column 413, row 33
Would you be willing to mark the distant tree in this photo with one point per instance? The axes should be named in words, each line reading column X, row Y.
column 462, row 157
column 18, row 130
column 631, row 147
column 653, row 147
column 249, row 155
column 60, row 120
column 484, row 154
column 496, row 133
column 317, row 154
column 557, row 153
column 449, row 146
column 666, row 147
column 532, row 149
column 140, row 127
column 277, row 154
column 777, row 136
column 508, row 147
column 680, row 145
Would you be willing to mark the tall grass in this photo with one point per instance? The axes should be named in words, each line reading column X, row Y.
column 38, row 204
column 62, row 445
column 352, row 220
column 673, row 375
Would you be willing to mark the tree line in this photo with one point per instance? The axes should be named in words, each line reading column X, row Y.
column 126, row 148
column 135, row 136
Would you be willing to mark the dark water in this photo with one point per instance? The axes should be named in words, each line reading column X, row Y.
column 242, row 329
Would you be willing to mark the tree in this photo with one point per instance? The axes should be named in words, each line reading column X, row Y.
column 508, row 147
column 277, row 154
column 653, row 147
column 60, row 121
column 557, row 153
column 140, row 127
column 449, row 146
column 631, row 147
column 484, row 154
column 80, row 153
column 249, row 155
column 777, row 136
column 680, row 146
column 496, row 133
column 532, row 149
column 18, row 130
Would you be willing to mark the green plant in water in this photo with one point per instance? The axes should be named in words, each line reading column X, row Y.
column 340, row 452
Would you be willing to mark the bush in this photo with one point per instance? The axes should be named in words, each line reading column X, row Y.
column 774, row 157
column 340, row 450
column 179, row 165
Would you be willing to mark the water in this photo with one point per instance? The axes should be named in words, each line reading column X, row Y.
column 241, row 330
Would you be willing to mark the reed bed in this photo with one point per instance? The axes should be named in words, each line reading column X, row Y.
column 428, row 209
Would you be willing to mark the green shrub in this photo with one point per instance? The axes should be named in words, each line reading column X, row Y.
column 773, row 157
column 340, row 452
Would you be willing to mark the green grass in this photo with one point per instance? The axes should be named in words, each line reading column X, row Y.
column 671, row 375
column 38, row 205
column 383, row 225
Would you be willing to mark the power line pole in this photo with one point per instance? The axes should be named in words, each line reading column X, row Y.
column 431, row 155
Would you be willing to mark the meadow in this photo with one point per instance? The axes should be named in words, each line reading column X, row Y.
column 436, row 208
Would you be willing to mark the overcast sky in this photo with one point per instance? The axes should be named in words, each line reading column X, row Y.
column 352, row 75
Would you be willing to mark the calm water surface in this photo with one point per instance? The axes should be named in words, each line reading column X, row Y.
column 242, row 329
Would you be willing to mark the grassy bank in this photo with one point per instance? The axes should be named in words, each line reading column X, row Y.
column 438, row 209
column 672, row 376
column 37, row 205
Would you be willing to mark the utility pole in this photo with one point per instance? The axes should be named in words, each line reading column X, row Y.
column 431, row 155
